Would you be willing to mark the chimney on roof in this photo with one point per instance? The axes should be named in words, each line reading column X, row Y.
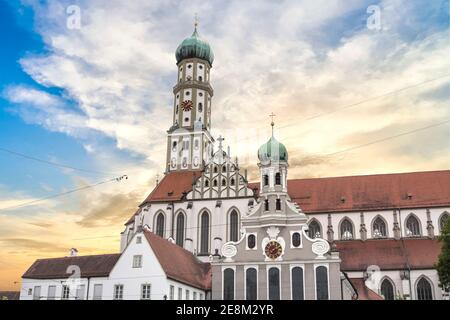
column 73, row 252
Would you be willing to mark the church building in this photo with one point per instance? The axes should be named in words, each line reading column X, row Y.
column 206, row 232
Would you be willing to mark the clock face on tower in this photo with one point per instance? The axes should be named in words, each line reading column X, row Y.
column 273, row 249
column 187, row 105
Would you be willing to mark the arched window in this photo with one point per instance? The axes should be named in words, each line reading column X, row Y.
column 443, row 220
column 274, row 284
column 297, row 283
column 224, row 182
column 251, row 241
column 234, row 226
column 206, row 183
column 424, row 290
column 266, row 179
column 321, row 283
column 346, row 230
column 200, row 107
column 278, row 204
column 296, row 240
column 379, row 228
column 412, row 226
column 251, row 284
column 180, row 230
column 224, row 168
column 228, row 284
column 204, row 233
column 215, row 183
column 215, row 169
column 232, row 181
column 266, row 205
column 160, row 224
column 314, row 230
column 387, row 289
column 278, row 178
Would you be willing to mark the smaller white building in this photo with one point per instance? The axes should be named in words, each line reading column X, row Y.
column 150, row 268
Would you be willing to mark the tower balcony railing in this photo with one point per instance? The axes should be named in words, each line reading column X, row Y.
column 203, row 85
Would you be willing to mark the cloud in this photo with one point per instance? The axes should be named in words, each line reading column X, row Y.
column 111, row 209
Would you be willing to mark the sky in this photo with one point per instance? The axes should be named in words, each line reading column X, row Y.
column 97, row 100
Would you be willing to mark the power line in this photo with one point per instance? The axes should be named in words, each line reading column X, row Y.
column 386, row 138
column 25, row 204
column 51, row 162
column 355, row 104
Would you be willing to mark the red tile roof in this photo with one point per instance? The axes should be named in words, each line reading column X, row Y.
column 364, row 293
column 371, row 192
column 90, row 266
column 180, row 264
column 172, row 186
column 388, row 254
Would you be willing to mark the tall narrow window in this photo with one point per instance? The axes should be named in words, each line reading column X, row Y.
column 206, row 183
column 379, row 228
column 424, row 290
column 314, row 230
column 278, row 204
column 251, row 241
column 412, row 226
column 98, row 291
column 146, row 292
column 274, row 284
column 228, row 284
column 118, row 292
column 234, row 226
column 266, row 205
column 160, row 225
column 296, row 240
column 278, row 178
column 224, row 182
column 65, row 292
column 51, row 293
column 204, row 229
column 346, row 230
column 387, row 289
column 37, row 293
column 232, row 182
column 443, row 221
column 321, row 283
column 215, row 183
column 297, row 283
column 251, row 284
column 180, row 230
column 266, row 179
column 172, row 293
column 80, row 292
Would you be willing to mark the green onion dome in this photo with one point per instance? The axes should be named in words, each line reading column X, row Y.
column 272, row 150
column 194, row 47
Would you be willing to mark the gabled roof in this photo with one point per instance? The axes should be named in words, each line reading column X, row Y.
column 388, row 254
column 180, row 264
column 364, row 293
column 371, row 192
column 173, row 186
column 90, row 266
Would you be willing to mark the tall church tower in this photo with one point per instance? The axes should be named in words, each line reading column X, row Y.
column 189, row 141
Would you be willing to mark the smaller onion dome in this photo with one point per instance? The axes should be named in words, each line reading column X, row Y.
column 194, row 47
column 272, row 150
